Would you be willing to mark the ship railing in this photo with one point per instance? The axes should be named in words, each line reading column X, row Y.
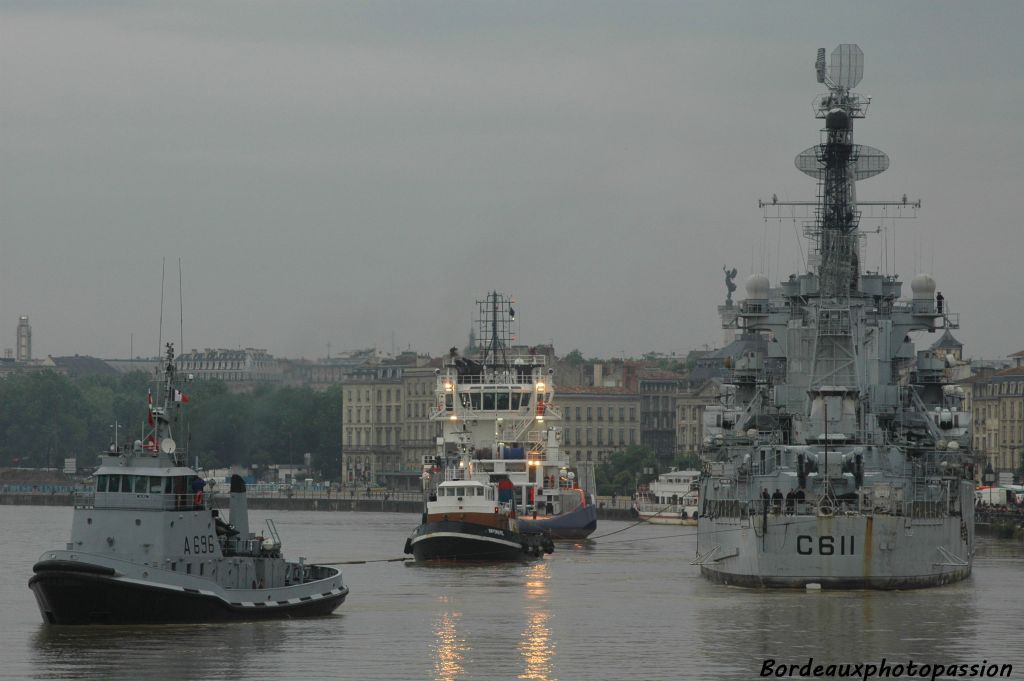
column 514, row 360
column 154, row 501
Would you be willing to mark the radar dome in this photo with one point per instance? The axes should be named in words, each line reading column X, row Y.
column 837, row 119
column 923, row 286
column 757, row 287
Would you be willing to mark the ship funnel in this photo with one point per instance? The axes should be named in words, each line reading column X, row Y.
column 239, row 507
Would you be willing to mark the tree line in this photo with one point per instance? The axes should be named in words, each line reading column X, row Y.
column 46, row 417
column 626, row 470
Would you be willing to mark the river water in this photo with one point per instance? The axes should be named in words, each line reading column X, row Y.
column 629, row 606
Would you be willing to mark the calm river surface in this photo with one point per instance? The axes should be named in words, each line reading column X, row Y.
column 626, row 607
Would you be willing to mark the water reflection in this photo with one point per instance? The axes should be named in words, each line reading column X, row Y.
column 536, row 646
column 740, row 628
column 178, row 652
column 449, row 647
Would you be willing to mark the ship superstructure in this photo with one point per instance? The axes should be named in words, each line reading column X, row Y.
column 500, row 428
column 838, row 456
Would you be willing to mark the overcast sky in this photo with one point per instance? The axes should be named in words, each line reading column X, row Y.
column 338, row 172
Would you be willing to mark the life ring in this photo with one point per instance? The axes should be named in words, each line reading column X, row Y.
column 825, row 507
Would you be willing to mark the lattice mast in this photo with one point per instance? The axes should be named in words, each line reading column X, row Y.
column 495, row 317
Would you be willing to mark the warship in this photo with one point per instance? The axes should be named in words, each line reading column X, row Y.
column 149, row 547
column 837, row 456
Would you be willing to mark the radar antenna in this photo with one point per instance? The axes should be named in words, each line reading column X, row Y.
column 837, row 163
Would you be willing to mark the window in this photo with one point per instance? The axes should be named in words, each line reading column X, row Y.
column 577, row 413
column 600, row 413
column 632, row 413
column 622, row 413
column 590, row 413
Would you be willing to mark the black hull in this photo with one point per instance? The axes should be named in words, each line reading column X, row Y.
column 452, row 540
column 94, row 596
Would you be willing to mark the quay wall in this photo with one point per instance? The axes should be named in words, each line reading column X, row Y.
column 281, row 502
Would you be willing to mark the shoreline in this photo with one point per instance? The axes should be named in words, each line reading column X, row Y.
column 282, row 503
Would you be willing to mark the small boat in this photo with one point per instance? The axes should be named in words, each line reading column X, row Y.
column 672, row 499
column 149, row 547
column 466, row 521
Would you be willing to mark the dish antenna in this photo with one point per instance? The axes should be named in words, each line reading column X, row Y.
column 847, row 67
column 865, row 161
column 844, row 72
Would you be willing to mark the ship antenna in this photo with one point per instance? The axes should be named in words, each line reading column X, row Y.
column 181, row 313
column 160, row 334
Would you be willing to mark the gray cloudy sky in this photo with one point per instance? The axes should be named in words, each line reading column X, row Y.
column 335, row 172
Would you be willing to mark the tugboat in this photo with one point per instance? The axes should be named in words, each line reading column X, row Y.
column 465, row 521
column 497, row 422
column 838, row 457
column 500, row 409
column 148, row 547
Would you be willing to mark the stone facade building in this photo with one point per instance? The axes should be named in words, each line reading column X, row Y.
column 690, row 405
column 241, row 369
column 371, row 426
column 658, row 391
column 597, row 421
column 996, row 403
column 419, row 430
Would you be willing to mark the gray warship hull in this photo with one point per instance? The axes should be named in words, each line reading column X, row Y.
column 836, row 552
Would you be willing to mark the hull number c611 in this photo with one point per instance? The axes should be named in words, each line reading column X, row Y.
column 826, row 545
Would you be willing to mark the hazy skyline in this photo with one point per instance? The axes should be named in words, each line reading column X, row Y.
column 341, row 172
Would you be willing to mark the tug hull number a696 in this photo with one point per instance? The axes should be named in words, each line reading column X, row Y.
column 825, row 545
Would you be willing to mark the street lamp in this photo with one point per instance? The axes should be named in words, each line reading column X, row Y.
column 988, row 477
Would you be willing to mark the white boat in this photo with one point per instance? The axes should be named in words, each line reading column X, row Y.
column 672, row 499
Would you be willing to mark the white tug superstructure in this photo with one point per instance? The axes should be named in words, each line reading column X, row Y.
column 500, row 436
column 148, row 546
column 838, row 456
